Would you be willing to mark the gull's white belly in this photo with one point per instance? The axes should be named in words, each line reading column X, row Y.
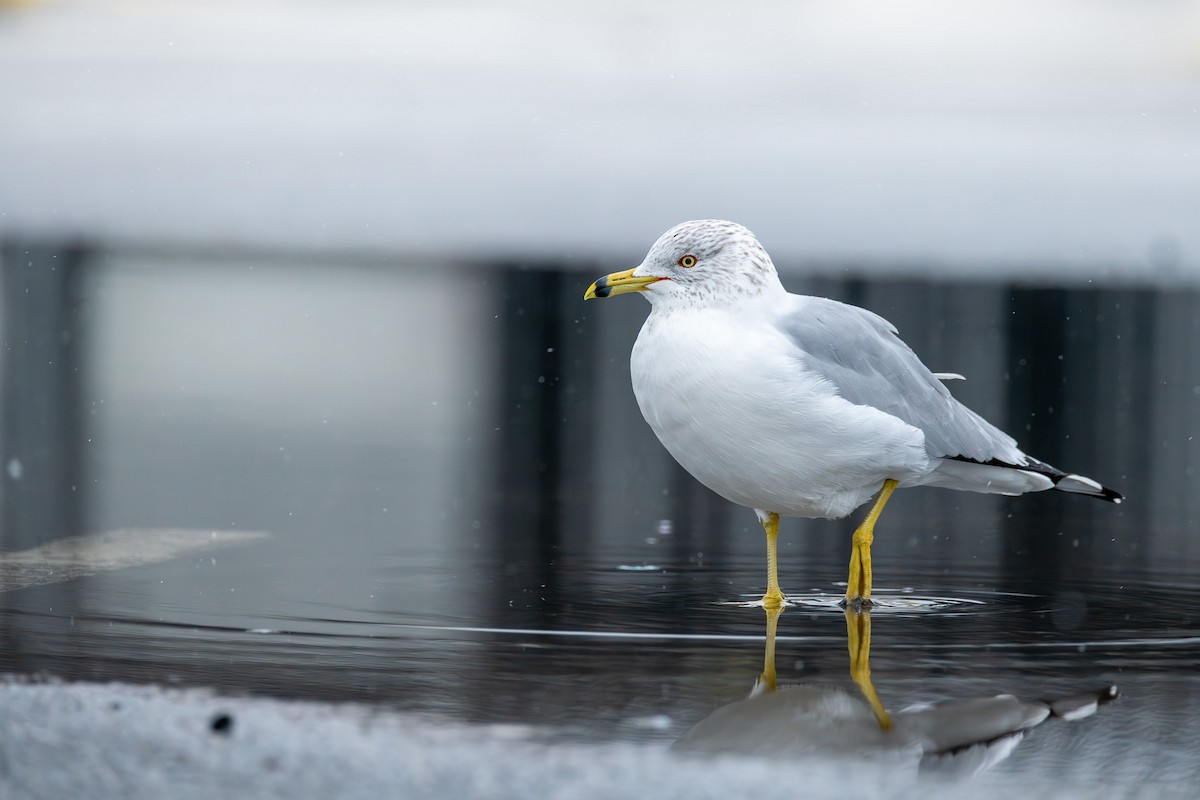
column 733, row 404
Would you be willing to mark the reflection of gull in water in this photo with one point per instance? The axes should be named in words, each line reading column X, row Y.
column 959, row 737
column 797, row 405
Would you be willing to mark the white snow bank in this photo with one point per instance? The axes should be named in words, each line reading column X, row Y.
column 122, row 741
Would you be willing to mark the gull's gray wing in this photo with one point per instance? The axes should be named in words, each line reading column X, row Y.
column 868, row 364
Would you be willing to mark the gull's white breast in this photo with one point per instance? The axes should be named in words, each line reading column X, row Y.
column 728, row 396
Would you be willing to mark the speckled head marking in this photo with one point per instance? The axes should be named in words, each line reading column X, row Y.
column 726, row 263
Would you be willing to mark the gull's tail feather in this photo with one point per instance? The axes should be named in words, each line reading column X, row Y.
column 1063, row 481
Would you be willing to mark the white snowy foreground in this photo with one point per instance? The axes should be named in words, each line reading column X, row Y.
column 123, row 741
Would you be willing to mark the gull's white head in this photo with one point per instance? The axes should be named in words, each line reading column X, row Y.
column 702, row 262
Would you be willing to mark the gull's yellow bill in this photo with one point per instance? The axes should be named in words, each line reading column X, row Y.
column 619, row 283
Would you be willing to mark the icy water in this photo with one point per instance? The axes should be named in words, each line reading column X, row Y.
column 464, row 515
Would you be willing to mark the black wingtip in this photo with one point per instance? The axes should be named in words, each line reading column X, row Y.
column 1063, row 481
column 1078, row 484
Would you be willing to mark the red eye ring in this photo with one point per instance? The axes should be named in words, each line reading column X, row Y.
column 688, row 261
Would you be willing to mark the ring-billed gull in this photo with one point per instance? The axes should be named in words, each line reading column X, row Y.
column 800, row 406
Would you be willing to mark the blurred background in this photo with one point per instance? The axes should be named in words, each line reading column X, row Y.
column 316, row 270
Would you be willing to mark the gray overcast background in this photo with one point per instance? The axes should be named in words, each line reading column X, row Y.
column 1041, row 139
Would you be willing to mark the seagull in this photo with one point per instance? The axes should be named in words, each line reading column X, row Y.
column 800, row 406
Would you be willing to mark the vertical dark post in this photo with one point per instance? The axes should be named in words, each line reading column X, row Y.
column 40, row 422
column 1035, row 545
column 1117, row 396
column 528, row 475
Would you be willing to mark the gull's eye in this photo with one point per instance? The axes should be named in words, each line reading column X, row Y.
column 688, row 261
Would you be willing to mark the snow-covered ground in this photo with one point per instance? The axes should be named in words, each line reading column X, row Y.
column 121, row 741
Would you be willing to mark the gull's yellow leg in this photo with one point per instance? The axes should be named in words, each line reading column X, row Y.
column 858, row 585
column 773, row 598
column 858, row 639
column 767, row 679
